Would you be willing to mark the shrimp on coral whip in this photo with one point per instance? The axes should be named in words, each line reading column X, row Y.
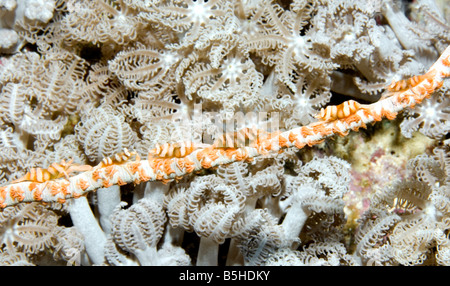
column 54, row 171
column 177, row 150
column 119, row 158
column 334, row 112
column 403, row 85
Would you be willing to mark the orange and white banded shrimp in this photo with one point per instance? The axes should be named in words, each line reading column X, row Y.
column 334, row 112
column 119, row 158
column 175, row 150
column 406, row 83
column 54, row 171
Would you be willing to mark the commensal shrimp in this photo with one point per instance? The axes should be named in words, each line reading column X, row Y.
column 407, row 83
column 334, row 112
column 177, row 150
column 54, row 171
column 119, row 158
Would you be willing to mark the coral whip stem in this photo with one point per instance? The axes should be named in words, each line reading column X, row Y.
column 168, row 169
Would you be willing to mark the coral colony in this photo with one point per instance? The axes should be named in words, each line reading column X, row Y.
column 251, row 132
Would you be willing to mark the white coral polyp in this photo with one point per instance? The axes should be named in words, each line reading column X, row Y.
column 198, row 13
column 169, row 59
column 298, row 44
column 9, row 5
column 350, row 36
column 302, row 102
column 41, row 10
column 429, row 111
column 431, row 118
column 8, row 38
column 233, row 69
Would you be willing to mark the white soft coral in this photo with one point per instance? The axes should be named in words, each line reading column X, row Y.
column 235, row 82
column 8, row 4
column 431, row 118
column 190, row 18
column 41, row 10
column 283, row 40
column 9, row 38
